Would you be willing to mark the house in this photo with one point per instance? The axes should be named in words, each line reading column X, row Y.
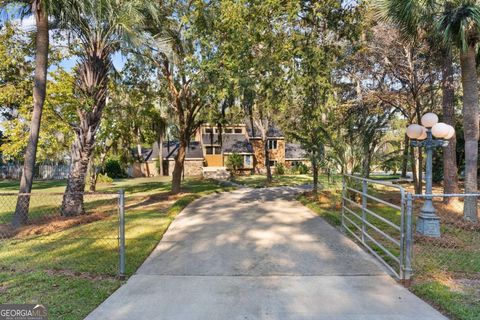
column 209, row 150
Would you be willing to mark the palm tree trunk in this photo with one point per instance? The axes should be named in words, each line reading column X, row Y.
column 450, row 176
column 471, row 129
column 39, row 92
column 178, row 168
column 72, row 204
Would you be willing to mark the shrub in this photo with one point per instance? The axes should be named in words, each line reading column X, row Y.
column 113, row 169
column 103, row 178
column 234, row 162
column 300, row 168
column 279, row 169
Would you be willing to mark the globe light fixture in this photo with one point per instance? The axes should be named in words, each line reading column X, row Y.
column 424, row 135
column 429, row 135
column 414, row 131
column 440, row 130
column 429, row 120
column 450, row 134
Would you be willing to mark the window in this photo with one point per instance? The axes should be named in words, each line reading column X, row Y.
column 238, row 130
column 248, row 161
column 210, row 130
column 273, row 163
column 272, row 144
column 228, row 130
column 213, row 150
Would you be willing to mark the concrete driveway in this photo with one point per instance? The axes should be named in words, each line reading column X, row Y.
column 258, row 254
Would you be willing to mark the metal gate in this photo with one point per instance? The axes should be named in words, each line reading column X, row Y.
column 375, row 213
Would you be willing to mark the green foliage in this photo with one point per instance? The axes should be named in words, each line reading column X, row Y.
column 234, row 162
column 279, row 169
column 113, row 169
column 104, row 178
column 300, row 168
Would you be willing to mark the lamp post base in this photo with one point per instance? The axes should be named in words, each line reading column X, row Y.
column 428, row 225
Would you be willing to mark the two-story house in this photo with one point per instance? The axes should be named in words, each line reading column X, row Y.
column 209, row 150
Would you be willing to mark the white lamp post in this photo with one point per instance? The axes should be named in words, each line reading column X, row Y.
column 428, row 223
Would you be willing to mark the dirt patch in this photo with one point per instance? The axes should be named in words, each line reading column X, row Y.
column 50, row 225
column 445, row 241
column 81, row 275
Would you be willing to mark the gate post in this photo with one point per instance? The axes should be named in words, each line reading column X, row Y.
column 121, row 233
column 408, row 240
column 364, row 206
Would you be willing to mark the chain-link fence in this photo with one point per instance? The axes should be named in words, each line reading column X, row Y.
column 455, row 255
column 41, row 231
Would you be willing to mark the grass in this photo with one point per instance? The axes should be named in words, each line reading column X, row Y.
column 260, row 181
column 73, row 270
column 447, row 270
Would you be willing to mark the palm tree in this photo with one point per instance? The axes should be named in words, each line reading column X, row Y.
column 458, row 26
column 415, row 19
column 40, row 10
column 101, row 28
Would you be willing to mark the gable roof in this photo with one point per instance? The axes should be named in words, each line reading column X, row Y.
column 254, row 132
column 295, row 151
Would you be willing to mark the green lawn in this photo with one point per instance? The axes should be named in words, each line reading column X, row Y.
column 260, row 181
column 447, row 271
column 73, row 270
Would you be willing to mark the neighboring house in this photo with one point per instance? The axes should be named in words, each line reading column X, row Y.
column 208, row 153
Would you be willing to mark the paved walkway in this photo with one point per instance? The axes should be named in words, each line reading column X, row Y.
column 257, row 254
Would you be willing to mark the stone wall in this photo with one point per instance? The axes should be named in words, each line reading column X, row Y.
column 275, row 155
column 279, row 153
column 191, row 167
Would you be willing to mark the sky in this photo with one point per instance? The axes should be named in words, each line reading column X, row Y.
column 28, row 24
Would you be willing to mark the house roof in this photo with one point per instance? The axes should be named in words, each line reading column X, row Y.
column 210, row 138
column 273, row 131
column 294, row 151
column 236, row 143
column 170, row 150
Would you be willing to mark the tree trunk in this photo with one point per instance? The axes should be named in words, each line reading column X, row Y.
column 72, row 204
column 450, row 171
column 178, row 169
column 417, row 185
column 160, row 155
column 93, row 176
column 471, row 129
column 39, row 91
column 267, row 160
column 405, row 156
column 315, row 173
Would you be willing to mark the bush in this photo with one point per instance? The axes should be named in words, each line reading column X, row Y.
column 279, row 169
column 102, row 178
column 234, row 162
column 113, row 169
column 300, row 168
